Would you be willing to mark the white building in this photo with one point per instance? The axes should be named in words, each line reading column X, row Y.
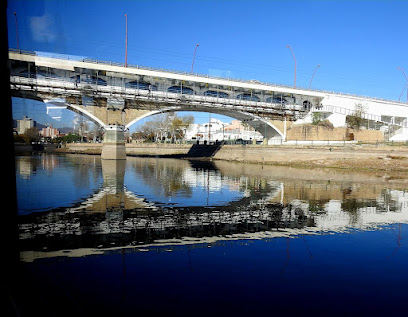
column 24, row 124
column 216, row 130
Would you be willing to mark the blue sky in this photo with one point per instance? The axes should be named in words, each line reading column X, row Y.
column 359, row 44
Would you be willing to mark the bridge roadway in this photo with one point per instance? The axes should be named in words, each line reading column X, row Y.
column 115, row 97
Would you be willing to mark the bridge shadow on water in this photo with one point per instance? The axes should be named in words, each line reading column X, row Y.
column 198, row 151
column 203, row 150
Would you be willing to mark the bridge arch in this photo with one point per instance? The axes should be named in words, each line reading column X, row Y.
column 267, row 129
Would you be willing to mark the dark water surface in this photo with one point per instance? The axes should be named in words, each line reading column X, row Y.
column 162, row 237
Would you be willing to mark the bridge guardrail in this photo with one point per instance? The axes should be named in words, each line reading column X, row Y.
column 95, row 61
column 243, row 105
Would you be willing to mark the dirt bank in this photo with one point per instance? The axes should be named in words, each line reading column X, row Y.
column 387, row 158
column 359, row 157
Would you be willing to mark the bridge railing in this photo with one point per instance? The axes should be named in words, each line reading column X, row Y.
column 272, row 85
column 70, row 87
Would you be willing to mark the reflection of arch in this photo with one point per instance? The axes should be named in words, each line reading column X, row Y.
column 248, row 97
column 278, row 100
column 141, row 85
column 181, row 90
column 264, row 127
column 213, row 93
column 63, row 104
column 92, row 80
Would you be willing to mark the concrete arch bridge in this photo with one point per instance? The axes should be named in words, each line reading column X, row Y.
column 115, row 96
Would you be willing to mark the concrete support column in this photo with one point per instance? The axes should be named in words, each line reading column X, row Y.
column 113, row 147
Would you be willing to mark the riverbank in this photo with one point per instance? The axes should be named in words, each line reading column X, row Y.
column 362, row 157
column 348, row 156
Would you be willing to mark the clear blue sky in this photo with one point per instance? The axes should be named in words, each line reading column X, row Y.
column 359, row 44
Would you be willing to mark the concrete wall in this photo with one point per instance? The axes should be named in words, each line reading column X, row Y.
column 157, row 149
column 319, row 133
column 131, row 149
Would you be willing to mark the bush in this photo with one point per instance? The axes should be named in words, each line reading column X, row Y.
column 327, row 124
column 317, row 118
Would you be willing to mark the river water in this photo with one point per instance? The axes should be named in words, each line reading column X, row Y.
column 149, row 237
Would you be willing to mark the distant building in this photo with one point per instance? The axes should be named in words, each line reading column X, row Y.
column 49, row 132
column 24, row 124
column 216, row 130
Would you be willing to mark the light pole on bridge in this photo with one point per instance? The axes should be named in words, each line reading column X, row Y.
column 405, row 78
column 192, row 64
column 18, row 44
column 406, row 86
column 126, row 45
column 313, row 75
column 294, row 60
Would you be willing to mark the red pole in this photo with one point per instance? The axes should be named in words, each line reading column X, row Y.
column 294, row 59
column 18, row 45
column 126, row 42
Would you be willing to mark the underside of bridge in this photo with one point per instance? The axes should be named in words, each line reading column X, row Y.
column 129, row 113
column 116, row 120
column 263, row 125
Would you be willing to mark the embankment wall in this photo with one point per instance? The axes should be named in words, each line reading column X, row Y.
column 334, row 156
column 308, row 132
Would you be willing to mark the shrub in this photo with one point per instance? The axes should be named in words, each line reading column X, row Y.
column 327, row 124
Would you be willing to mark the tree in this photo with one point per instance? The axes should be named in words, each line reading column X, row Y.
column 317, row 118
column 356, row 121
column 31, row 135
column 163, row 127
column 68, row 138
column 81, row 126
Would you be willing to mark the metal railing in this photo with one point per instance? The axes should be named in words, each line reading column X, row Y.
column 273, row 85
column 66, row 86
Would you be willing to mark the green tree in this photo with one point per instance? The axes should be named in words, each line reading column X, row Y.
column 68, row 138
column 317, row 118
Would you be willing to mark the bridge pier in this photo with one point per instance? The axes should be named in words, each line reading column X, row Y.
column 113, row 147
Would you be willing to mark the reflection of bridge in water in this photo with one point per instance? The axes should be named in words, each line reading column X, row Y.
column 116, row 212
column 116, row 217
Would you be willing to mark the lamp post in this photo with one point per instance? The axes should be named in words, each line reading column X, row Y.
column 405, row 78
column 18, row 44
column 313, row 75
column 294, row 60
column 406, row 85
column 195, row 51
column 126, row 47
